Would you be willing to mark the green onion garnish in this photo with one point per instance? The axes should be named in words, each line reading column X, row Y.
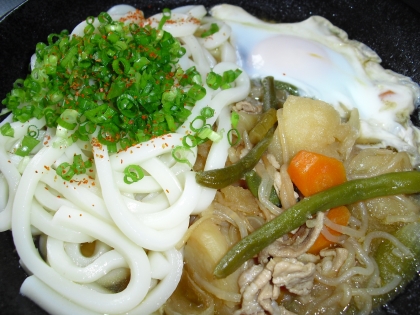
column 124, row 79
column 234, row 119
column 214, row 28
column 7, row 130
column 189, row 141
column 33, row 131
column 180, row 153
column 208, row 133
column 207, row 112
column 166, row 15
column 230, row 136
column 132, row 174
column 28, row 143
column 66, row 170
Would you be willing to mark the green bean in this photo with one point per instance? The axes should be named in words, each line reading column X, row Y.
column 222, row 177
column 266, row 121
column 269, row 96
column 253, row 181
column 344, row 194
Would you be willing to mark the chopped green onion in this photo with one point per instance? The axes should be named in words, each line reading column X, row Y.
column 214, row 28
column 68, row 119
column 208, row 133
column 132, row 174
column 180, row 153
column 230, row 136
column 7, row 130
column 28, row 143
column 126, row 76
column 193, row 124
column 62, row 142
column 166, row 15
column 234, row 119
column 207, row 112
column 121, row 66
column 196, row 92
column 65, row 171
column 189, row 141
column 33, row 131
column 214, row 80
column 228, row 77
column 79, row 166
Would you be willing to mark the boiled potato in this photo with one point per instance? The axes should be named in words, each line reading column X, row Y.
column 313, row 125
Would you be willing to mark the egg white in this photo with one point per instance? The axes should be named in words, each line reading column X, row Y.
column 324, row 64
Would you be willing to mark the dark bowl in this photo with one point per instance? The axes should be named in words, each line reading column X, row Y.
column 390, row 27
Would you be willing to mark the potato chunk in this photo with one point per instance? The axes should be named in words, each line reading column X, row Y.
column 314, row 126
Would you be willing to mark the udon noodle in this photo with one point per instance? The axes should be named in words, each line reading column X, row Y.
column 105, row 246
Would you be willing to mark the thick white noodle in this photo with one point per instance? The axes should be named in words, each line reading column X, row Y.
column 50, row 300
column 121, row 219
column 131, row 226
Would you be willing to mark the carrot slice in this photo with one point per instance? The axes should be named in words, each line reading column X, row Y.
column 340, row 215
column 312, row 172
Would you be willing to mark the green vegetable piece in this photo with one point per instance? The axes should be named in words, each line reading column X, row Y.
column 65, row 171
column 344, row 194
column 28, row 143
column 213, row 80
column 7, row 130
column 253, row 181
column 269, row 95
column 166, row 15
column 112, row 73
column 133, row 173
column 222, row 177
column 214, row 28
column 391, row 265
column 266, row 121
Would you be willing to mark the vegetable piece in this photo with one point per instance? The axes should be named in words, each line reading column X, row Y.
column 224, row 81
column 7, row 130
column 133, row 173
column 214, row 28
column 269, row 96
column 28, row 143
column 115, row 73
column 66, row 170
column 312, row 172
column 253, row 181
column 222, row 177
column 295, row 216
column 340, row 215
column 312, row 125
column 391, row 264
column 266, row 121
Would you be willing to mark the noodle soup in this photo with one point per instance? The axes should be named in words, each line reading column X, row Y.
column 138, row 203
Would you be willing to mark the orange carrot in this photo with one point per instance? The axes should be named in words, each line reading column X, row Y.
column 339, row 215
column 312, row 172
